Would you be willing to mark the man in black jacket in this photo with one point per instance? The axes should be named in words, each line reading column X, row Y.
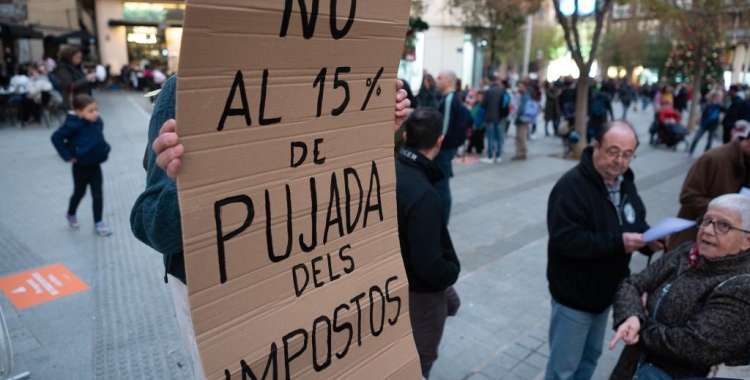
column 429, row 258
column 595, row 220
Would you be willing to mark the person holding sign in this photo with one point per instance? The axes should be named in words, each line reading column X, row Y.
column 429, row 258
column 155, row 217
column 595, row 218
column 688, row 310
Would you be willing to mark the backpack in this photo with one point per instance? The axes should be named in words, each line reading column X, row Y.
column 505, row 105
column 530, row 111
column 455, row 135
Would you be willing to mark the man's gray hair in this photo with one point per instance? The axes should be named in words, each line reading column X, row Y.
column 735, row 202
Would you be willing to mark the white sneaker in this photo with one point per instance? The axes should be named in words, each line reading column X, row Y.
column 486, row 160
column 498, row 160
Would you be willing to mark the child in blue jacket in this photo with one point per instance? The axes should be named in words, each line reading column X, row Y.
column 80, row 141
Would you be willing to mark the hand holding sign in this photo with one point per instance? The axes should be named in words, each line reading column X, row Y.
column 286, row 188
column 169, row 150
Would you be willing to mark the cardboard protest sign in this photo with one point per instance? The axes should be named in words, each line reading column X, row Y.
column 287, row 191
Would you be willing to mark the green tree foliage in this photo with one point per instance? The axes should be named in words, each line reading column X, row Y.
column 682, row 62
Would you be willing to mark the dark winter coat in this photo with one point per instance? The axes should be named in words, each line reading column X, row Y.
column 81, row 139
column 701, row 320
column 719, row 171
column 429, row 258
column 492, row 102
column 551, row 105
column 72, row 82
column 586, row 254
column 734, row 112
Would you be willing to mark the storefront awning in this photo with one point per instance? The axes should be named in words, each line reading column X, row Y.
column 154, row 24
column 19, row 31
column 79, row 37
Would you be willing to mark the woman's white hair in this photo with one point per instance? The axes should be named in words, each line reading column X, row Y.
column 735, row 202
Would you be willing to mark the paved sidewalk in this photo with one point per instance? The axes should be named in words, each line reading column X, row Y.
column 124, row 326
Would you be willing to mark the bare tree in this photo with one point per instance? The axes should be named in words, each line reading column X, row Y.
column 570, row 25
column 497, row 21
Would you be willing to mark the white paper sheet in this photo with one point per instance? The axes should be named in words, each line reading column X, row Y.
column 667, row 226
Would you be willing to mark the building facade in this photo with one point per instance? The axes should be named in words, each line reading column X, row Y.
column 139, row 33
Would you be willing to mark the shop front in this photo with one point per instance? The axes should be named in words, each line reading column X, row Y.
column 137, row 34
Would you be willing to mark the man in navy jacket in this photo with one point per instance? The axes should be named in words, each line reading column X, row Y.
column 429, row 258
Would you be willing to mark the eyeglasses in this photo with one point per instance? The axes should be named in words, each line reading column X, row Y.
column 614, row 153
column 721, row 228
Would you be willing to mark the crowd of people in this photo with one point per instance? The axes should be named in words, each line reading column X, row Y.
column 681, row 317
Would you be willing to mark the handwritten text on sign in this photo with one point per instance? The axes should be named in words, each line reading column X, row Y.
column 338, row 201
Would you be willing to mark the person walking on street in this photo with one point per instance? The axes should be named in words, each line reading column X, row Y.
column 495, row 103
column 80, row 141
column 429, row 257
column 525, row 116
column 709, row 123
column 595, row 221
column 551, row 108
column 626, row 94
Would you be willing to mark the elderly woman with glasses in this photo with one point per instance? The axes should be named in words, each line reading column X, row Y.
column 689, row 310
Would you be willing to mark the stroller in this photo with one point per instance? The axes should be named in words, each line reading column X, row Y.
column 667, row 130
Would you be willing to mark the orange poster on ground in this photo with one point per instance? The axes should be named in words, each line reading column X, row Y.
column 41, row 285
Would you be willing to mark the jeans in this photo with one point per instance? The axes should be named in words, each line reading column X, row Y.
column 709, row 127
column 87, row 176
column 444, row 162
column 575, row 343
column 648, row 371
column 495, row 138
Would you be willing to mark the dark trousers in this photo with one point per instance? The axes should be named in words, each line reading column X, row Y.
column 87, row 176
column 428, row 312
column 29, row 110
column 727, row 132
column 476, row 141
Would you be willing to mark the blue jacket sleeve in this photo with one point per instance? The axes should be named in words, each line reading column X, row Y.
column 155, row 218
column 59, row 138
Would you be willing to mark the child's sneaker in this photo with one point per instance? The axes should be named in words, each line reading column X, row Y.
column 102, row 229
column 72, row 221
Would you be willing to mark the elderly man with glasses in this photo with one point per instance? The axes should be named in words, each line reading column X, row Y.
column 595, row 221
